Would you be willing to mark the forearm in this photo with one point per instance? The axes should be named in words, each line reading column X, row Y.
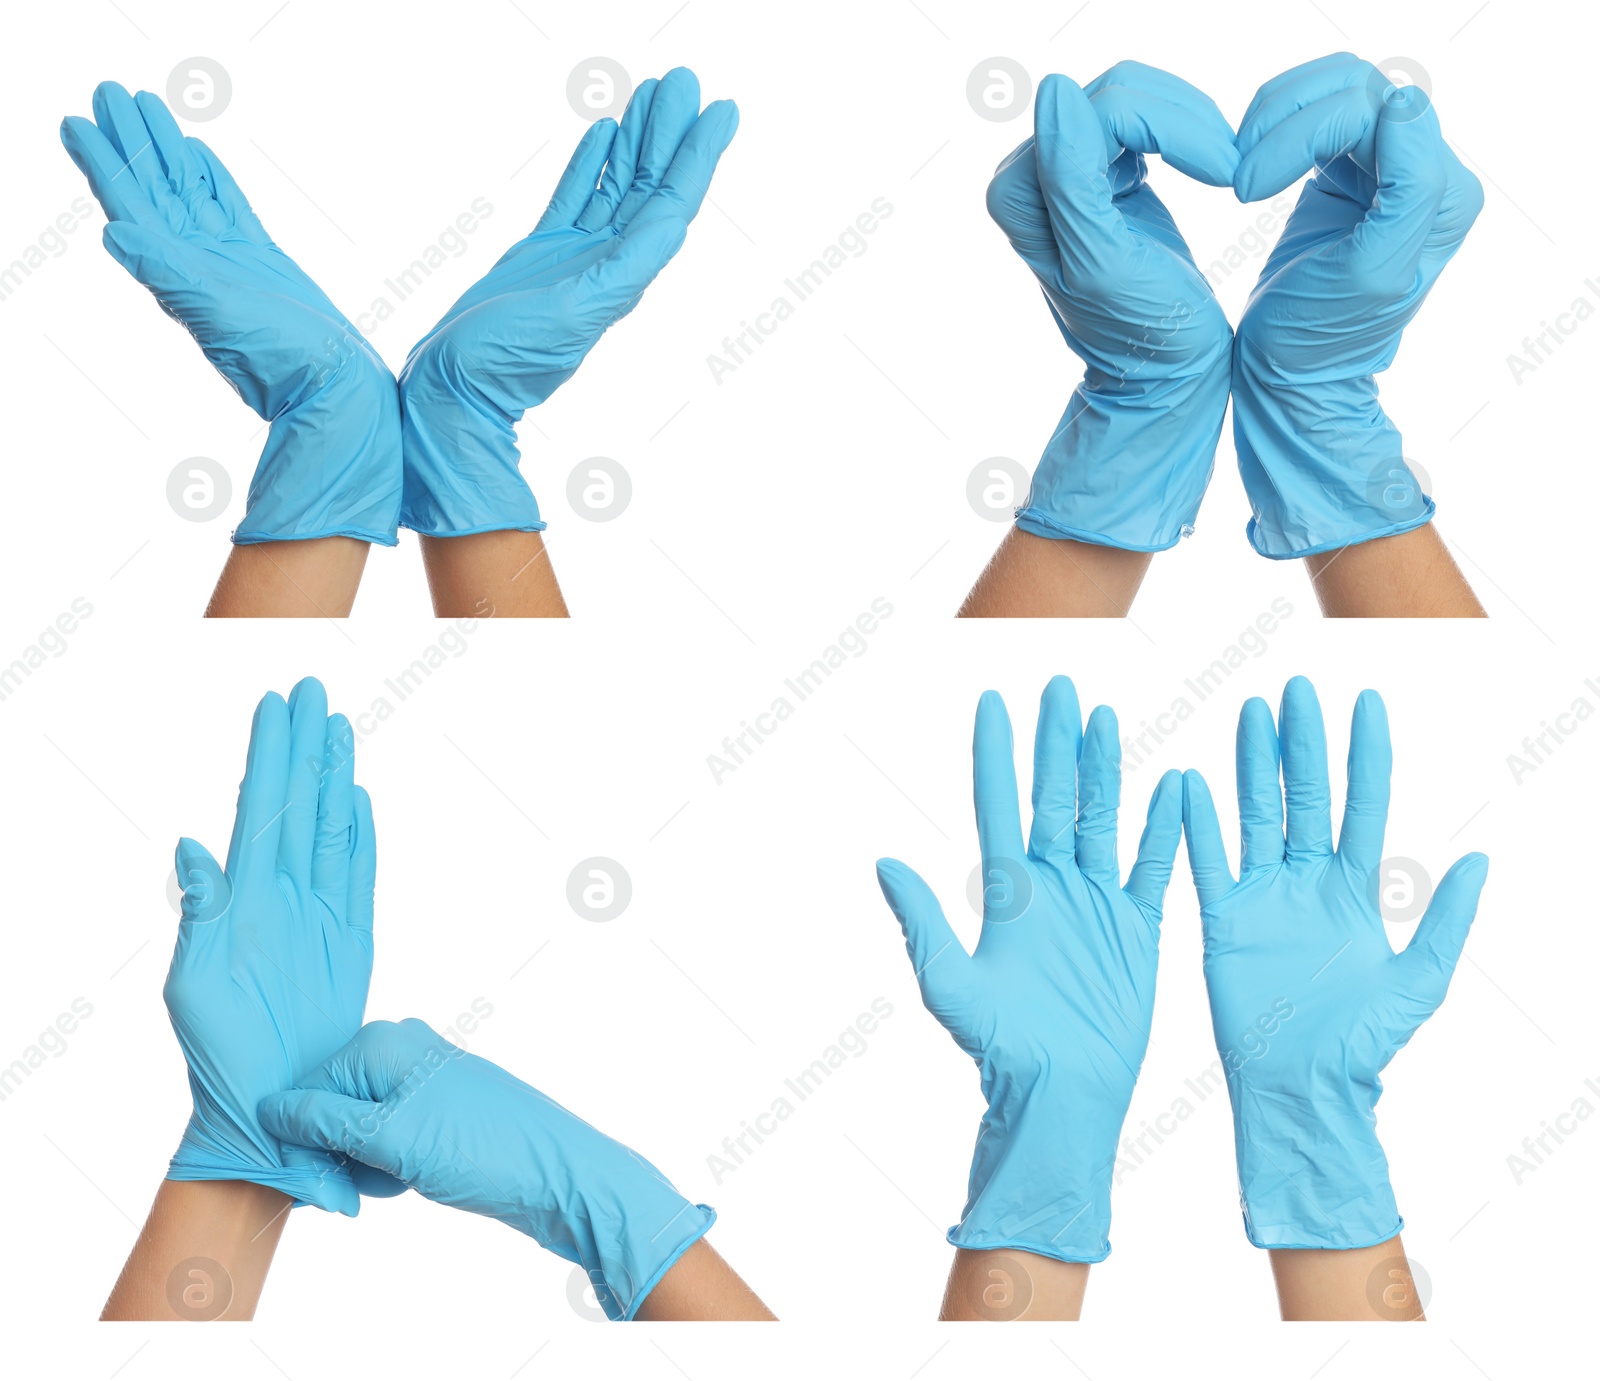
column 1041, row 577
column 492, row 575
column 1410, row 575
column 203, row 1253
column 1371, row 1284
column 1010, row 1285
column 702, row 1286
column 311, row 579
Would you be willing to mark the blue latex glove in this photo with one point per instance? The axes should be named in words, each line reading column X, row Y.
column 1054, row 1005
column 462, row 1131
column 1308, row 1001
column 523, row 329
column 1389, row 206
column 1131, row 458
column 179, row 224
column 274, row 952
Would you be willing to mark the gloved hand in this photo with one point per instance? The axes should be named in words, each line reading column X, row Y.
column 1054, row 1005
column 1389, row 206
column 523, row 329
column 274, row 952
column 462, row 1131
column 1308, row 1002
column 179, row 224
column 1130, row 461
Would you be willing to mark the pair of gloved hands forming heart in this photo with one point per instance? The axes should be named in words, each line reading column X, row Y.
column 1388, row 206
column 351, row 452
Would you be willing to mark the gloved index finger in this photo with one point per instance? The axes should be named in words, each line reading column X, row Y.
column 1070, row 151
column 1316, row 134
column 1299, row 86
column 1099, row 795
column 1366, row 799
column 1146, row 110
column 116, row 189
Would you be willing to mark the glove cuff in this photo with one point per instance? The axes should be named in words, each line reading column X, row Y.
column 331, row 465
column 462, row 471
column 1316, row 1179
column 1321, row 462
column 1038, row 1186
column 1119, row 475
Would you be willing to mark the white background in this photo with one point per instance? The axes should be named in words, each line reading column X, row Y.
column 768, row 512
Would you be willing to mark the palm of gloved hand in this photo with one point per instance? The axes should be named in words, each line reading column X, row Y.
column 1387, row 209
column 1308, row 1001
column 1054, row 1005
column 177, row 221
column 1131, row 459
column 180, row 225
column 620, row 212
column 274, row 953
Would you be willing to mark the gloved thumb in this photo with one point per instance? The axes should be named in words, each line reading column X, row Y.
column 1070, row 149
column 204, row 882
column 152, row 256
column 611, row 288
column 1411, row 176
column 1431, row 957
column 327, row 1121
column 936, row 955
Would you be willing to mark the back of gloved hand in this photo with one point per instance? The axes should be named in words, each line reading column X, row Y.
column 1388, row 208
column 1308, row 1001
column 1129, row 462
column 620, row 212
column 462, row 1131
column 274, row 952
column 1054, row 1005
column 180, row 225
